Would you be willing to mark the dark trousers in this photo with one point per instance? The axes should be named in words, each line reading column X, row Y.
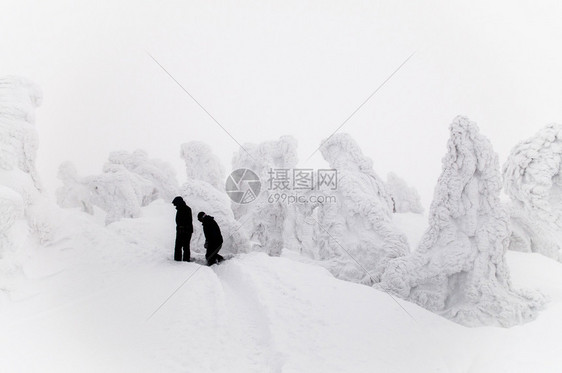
column 183, row 239
column 213, row 255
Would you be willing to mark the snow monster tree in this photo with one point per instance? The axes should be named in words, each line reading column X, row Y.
column 355, row 235
column 266, row 216
column 459, row 269
column 22, row 221
column 533, row 179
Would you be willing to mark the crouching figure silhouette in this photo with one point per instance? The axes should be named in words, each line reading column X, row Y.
column 213, row 238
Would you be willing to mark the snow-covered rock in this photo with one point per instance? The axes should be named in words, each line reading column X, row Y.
column 459, row 269
column 532, row 178
column 354, row 233
column 405, row 198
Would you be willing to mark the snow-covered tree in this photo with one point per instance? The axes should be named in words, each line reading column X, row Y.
column 202, row 164
column 120, row 192
column 405, row 198
column 532, row 178
column 18, row 136
column 459, row 269
column 129, row 181
column 20, row 187
column 159, row 173
column 75, row 191
column 264, row 217
column 354, row 233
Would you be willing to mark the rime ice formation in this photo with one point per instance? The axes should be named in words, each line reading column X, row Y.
column 128, row 182
column 120, row 192
column 404, row 197
column 202, row 164
column 18, row 137
column 532, row 178
column 20, row 197
column 354, row 234
column 159, row 173
column 75, row 191
column 459, row 269
column 265, row 217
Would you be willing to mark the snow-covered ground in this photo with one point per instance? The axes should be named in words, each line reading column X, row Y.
column 87, row 302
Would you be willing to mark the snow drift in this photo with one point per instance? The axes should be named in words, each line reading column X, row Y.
column 459, row 269
column 532, row 178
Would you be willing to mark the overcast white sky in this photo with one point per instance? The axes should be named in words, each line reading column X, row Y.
column 269, row 68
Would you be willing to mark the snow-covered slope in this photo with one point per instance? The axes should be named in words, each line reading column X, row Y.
column 112, row 299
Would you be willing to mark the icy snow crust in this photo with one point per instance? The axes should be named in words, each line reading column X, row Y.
column 532, row 178
column 459, row 270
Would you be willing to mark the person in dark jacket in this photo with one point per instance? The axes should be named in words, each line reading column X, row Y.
column 213, row 238
column 184, row 230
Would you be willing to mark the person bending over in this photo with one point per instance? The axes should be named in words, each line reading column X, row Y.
column 213, row 238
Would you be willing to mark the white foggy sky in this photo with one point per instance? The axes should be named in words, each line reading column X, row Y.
column 270, row 68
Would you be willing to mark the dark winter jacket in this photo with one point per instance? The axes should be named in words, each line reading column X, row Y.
column 183, row 218
column 212, row 232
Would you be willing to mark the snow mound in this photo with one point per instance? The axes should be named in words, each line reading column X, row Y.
column 355, row 235
column 204, row 191
column 459, row 269
column 264, row 218
column 532, row 178
column 405, row 198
